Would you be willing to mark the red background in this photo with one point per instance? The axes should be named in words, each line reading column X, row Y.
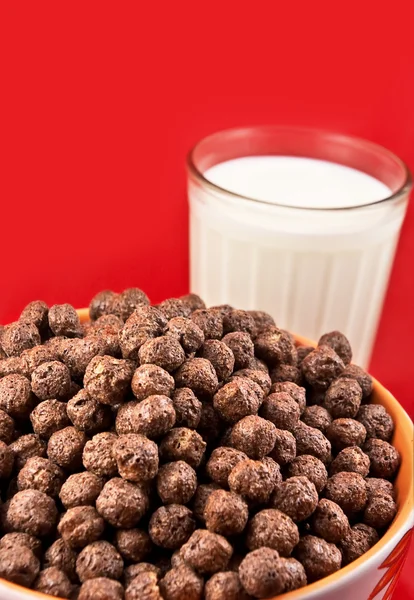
column 101, row 105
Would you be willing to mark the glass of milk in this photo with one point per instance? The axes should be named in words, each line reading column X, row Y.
column 300, row 223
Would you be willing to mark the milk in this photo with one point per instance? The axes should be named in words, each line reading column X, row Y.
column 313, row 270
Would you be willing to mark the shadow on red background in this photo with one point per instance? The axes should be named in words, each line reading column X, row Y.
column 101, row 105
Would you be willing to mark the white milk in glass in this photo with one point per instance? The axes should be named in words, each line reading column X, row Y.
column 313, row 270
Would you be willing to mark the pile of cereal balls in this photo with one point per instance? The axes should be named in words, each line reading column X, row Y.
column 177, row 452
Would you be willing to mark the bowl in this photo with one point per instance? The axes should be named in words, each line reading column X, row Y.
column 374, row 575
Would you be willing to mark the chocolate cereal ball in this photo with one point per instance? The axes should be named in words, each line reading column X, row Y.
column 199, row 375
column 14, row 541
column 107, row 379
column 209, row 321
column 80, row 489
column 339, row 343
column 174, row 307
column 133, row 544
column 295, row 391
column 6, row 427
column 13, row 365
column 188, row 334
column 181, row 583
column 101, row 304
column 239, row 320
column 329, row 521
column 38, row 355
column 275, row 347
column 136, row 457
column 98, row 455
column 125, row 303
column 88, row 415
column 60, row 555
column 361, row 376
column 144, row 587
column 80, row 526
column 284, row 373
column 343, row 398
column 221, row 462
column 350, row 459
column 48, row 417
column 51, row 380
column 284, row 450
column 310, row 467
column 42, row 475
column 379, row 487
column 260, row 574
column 65, row 448
column 345, row 432
column 121, row 503
column 312, row 441
column 262, row 320
column 225, row 584
column 145, row 322
column 207, row 552
column 242, row 347
column 36, row 312
column 281, row 410
column 6, row 461
column 258, row 376
column 25, row 447
column 201, row 496
column 385, row 459
column 187, row 408
column 297, row 497
column 20, row 567
column 376, row 421
column 220, row 356
column 225, row 513
column 348, row 490
column 319, row 557
column 19, row 336
column 273, row 529
column 101, row 588
column 317, row 417
column 54, row 582
column 143, row 567
column 165, row 352
column 78, row 353
column 170, row 526
column 151, row 380
column 64, row 320
column 184, row 444
column 254, row 436
column 16, row 398
column 238, row 399
column 32, row 512
column 321, row 367
column 176, row 483
column 294, row 576
column 380, row 511
column 193, row 301
column 99, row 559
column 153, row 417
column 124, row 421
column 359, row 539
column 254, row 480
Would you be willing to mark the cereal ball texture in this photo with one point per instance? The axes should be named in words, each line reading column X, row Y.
column 242, row 347
column 238, row 399
column 380, row 511
column 60, row 555
column 348, row 490
column 101, row 588
column 295, row 391
column 254, row 436
column 189, row 335
column 284, row 373
column 7, row 431
column 125, row 303
column 345, row 432
column 319, row 557
column 187, row 408
column 64, row 320
column 19, row 336
column 144, row 587
column 133, row 544
column 262, row 320
column 310, row 467
column 220, row 356
column 80, row 489
column 275, row 347
column 312, row 441
column 136, row 457
column 121, row 503
column 329, row 521
column 41, row 474
column 176, row 483
column 201, row 496
column 379, row 487
column 14, row 541
column 25, row 447
column 65, row 448
column 260, row 377
column 284, row 450
column 376, row 421
column 13, row 365
column 170, row 526
column 54, row 582
column 16, row 398
column 153, row 417
column 351, row 459
column 207, row 552
column 359, row 539
column 143, row 567
column 101, row 304
column 38, row 355
column 321, row 367
column 151, row 380
column 36, row 312
column 174, row 307
column 385, row 459
column 193, row 301
column 51, row 380
column 181, row 583
column 20, row 567
column 80, row 526
column 32, row 512
column 78, row 353
column 296, row 497
column 221, row 462
column 210, row 322
column 239, row 320
column 225, row 584
column 272, row 529
column 361, row 376
column 184, row 444
column 317, row 417
column 6, row 461
column 88, row 415
column 343, row 398
column 254, row 480
column 145, row 322
column 99, row 559
column 107, row 379
column 281, row 410
column 164, row 351
column 99, row 456
column 199, row 375
column 48, row 417
column 260, row 574
column 225, row 513
column 339, row 343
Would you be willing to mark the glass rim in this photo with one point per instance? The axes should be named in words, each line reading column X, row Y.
column 402, row 190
